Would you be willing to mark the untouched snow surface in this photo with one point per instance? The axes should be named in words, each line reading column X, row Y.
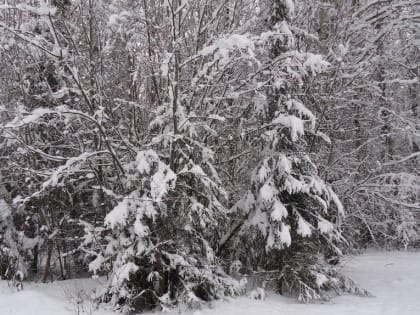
column 393, row 278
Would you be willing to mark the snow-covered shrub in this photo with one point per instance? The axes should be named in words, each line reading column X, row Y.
column 162, row 245
column 257, row 294
column 290, row 217
column 15, row 248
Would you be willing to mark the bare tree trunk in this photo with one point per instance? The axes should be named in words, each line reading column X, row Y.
column 50, row 246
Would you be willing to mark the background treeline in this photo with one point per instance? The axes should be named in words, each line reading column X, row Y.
column 179, row 146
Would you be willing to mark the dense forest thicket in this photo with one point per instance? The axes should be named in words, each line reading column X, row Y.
column 182, row 146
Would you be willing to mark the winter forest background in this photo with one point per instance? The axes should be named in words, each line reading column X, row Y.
column 177, row 146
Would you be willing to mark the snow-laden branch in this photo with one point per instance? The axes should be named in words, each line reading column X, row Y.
column 409, row 157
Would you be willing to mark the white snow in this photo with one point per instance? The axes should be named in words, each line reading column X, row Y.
column 57, row 298
column 145, row 160
column 263, row 173
column 279, row 211
column 119, row 214
column 292, row 185
column 315, row 63
column 336, row 201
column 284, row 30
column 140, row 229
column 324, row 226
column 222, row 47
column 392, row 277
column 295, row 124
column 123, row 273
column 96, row 264
column 161, row 182
column 31, row 118
column 267, row 192
column 43, row 8
column 285, row 237
column 290, row 5
column 302, row 111
column 304, row 228
column 4, row 210
column 284, row 165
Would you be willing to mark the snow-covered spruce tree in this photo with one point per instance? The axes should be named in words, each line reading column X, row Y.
column 291, row 225
column 165, row 229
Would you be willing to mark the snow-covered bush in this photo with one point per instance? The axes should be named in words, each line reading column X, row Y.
column 290, row 218
column 162, row 243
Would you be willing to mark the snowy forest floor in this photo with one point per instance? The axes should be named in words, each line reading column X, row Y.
column 392, row 277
